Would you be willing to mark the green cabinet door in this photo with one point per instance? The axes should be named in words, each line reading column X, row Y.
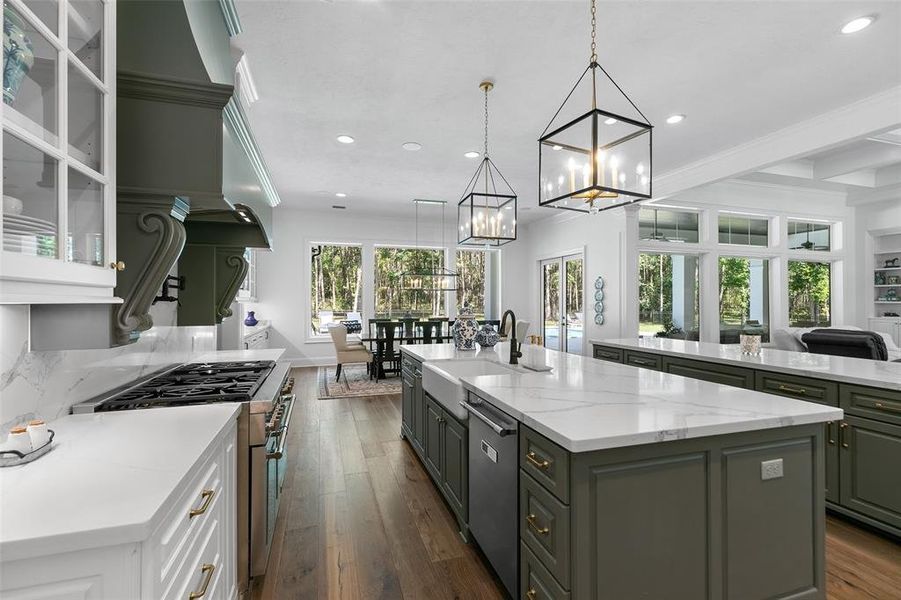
column 833, row 461
column 456, row 466
column 418, row 416
column 871, row 469
column 434, row 438
column 708, row 371
column 407, row 391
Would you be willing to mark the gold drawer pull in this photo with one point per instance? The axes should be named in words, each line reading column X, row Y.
column 792, row 390
column 531, row 594
column 882, row 406
column 207, row 496
column 539, row 530
column 841, row 435
column 829, row 437
column 208, row 569
column 541, row 464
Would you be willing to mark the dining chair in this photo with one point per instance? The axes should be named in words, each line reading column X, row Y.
column 389, row 332
column 347, row 352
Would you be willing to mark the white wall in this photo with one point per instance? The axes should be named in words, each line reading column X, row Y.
column 283, row 275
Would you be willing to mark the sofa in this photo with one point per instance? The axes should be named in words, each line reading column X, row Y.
column 840, row 341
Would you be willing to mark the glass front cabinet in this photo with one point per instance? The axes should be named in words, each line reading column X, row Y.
column 58, row 112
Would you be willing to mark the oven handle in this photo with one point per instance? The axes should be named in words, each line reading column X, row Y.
column 281, row 432
column 498, row 429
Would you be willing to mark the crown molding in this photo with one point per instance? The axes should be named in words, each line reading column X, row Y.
column 232, row 20
column 236, row 121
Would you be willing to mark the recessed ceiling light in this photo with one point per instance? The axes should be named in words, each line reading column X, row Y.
column 858, row 24
column 341, row 194
column 610, row 121
column 345, row 139
column 673, row 119
column 471, row 154
column 412, row 146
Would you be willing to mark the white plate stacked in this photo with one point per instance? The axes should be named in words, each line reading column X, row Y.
column 28, row 235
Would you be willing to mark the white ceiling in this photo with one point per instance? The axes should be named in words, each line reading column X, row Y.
column 865, row 170
column 387, row 72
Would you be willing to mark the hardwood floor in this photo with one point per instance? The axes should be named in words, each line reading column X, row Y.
column 361, row 519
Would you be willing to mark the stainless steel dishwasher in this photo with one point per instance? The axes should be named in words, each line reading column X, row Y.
column 494, row 488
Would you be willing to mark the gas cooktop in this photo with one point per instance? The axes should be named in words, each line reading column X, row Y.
column 194, row 383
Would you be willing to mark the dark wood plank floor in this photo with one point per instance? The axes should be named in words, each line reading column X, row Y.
column 361, row 519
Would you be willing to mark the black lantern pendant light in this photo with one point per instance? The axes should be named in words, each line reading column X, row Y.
column 599, row 159
column 486, row 215
column 436, row 277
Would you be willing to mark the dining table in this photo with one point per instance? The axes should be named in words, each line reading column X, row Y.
column 380, row 341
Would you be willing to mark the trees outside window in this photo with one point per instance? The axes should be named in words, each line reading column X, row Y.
column 809, row 300
column 336, row 285
column 471, row 266
column 391, row 299
column 668, row 296
column 744, row 298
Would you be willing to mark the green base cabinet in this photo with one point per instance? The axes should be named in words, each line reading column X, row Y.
column 439, row 440
column 862, row 453
column 681, row 519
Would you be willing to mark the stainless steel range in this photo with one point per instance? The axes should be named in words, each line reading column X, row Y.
column 265, row 390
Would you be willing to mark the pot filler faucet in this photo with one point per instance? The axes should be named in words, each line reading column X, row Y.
column 515, row 353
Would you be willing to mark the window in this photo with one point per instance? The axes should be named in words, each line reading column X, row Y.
column 804, row 235
column 336, row 285
column 668, row 296
column 660, row 225
column 743, row 231
column 248, row 289
column 472, row 281
column 809, row 287
column 744, row 298
column 391, row 300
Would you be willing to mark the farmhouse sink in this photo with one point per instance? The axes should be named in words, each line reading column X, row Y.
column 441, row 379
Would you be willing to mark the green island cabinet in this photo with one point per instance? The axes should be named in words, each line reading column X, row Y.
column 439, row 439
column 681, row 519
column 862, row 453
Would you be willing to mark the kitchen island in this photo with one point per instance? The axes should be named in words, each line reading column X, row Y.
column 636, row 483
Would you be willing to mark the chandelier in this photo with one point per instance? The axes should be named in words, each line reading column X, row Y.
column 600, row 159
column 486, row 214
column 435, row 277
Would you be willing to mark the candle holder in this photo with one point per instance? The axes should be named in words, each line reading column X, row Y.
column 750, row 344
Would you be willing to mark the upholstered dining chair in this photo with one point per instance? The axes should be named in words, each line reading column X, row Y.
column 349, row 352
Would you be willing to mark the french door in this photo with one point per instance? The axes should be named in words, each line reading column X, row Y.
column 562, row 300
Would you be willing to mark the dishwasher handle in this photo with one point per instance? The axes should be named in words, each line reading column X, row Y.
column 498, row 429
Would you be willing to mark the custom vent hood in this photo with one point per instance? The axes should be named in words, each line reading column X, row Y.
column 175, row 75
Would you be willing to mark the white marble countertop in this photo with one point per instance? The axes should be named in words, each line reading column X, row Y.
column 106, row 479
column 585, row 404
column 835, row 368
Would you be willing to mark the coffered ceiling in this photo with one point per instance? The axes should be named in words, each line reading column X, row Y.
column 388, row 72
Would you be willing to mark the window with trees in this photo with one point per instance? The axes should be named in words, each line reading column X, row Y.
column 809, row 293
column 744, row 298
column 472, row 268
column 336, row 285
column 669, row 296
column 659, row 225
column 743, row 231
column 392, row 265
column 807, row 235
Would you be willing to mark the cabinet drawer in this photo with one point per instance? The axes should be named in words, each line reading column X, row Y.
column 192, row 576
column 607, row 353
column 409, row 365
column 536, row 583
column 882, row 405
column 202, row 498
column 545, row 461
column 801, row 388
column 714, row 373
column 544, row 528
column 643, row 359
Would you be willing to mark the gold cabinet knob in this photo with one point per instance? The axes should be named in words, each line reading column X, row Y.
column 119, row 266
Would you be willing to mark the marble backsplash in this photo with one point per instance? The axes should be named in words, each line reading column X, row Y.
column 45, row 384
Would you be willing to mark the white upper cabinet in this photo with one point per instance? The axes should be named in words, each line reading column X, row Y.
column 58, row 112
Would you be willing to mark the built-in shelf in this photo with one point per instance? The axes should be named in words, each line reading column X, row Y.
column 888, row 301
column 887, row 269
column 887, row 285
column 898, row 251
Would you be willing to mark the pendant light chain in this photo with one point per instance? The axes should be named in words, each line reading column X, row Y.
column 486, row 120
column 594, row 32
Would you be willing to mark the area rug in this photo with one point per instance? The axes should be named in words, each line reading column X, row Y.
column 354, row 383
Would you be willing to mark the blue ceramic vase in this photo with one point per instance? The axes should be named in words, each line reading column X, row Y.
column 486, row 336
column 251, row 320
column 18, row 54
column 465, row 329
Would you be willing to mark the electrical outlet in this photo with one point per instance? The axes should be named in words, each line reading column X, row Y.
column 771, row 469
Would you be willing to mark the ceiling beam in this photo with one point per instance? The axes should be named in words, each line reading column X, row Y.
column 867, row 117
column 800, row 169
column 868, row 155
column 889, row 192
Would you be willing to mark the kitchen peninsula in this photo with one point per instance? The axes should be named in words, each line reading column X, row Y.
column 704, row 485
